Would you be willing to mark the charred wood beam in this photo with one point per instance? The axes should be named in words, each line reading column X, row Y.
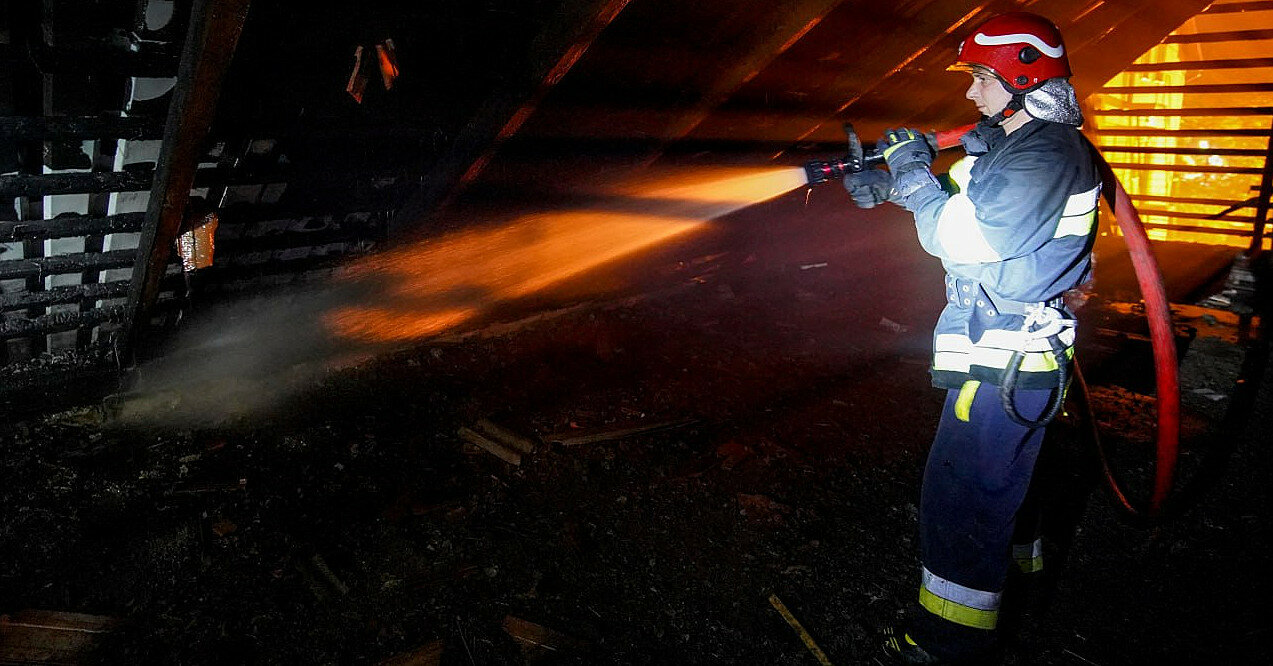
column 1233, row 7
column 225, row 273
column 211, row 38
column 1187, row 168
column 64, row 227
column 1154, row 150
column 81, row 127
column 37, row 267
column 764, row 42
column 1195, row 201
column 1197, row 111
column 104, row 59
column 1241, row 219
column 1262, row 207
column 229, row 247
column 1243, row 63
column 1196, row 229
column 60, row 321
column 141, row 178
column 69, row 294
column 1210, row 37
column 1190, row 133
column 73, row 183
column 578, row 23
column 1190, row 89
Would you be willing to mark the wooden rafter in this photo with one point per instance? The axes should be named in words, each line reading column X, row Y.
column 212, row 36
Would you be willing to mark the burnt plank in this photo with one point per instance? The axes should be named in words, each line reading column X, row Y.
column 211, row 39
column 67, row 294
column 63, row 227
column 43, row 128
column 37, row 267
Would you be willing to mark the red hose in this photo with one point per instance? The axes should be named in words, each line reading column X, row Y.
column 1161, row 335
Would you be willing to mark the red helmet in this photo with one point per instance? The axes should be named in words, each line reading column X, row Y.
column 1022, row 49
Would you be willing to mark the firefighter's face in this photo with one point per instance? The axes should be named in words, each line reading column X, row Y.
column 987, row 93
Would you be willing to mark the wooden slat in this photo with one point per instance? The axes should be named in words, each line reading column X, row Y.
column 79, row 127
column 66, row 227
column 1243, row 219
column 67, row 294
column 1189, row 133
column 1157, row 150
column 149, row 63
column 1211, row 37
column 66, row 263
column 1197, row 229
column 1207, row 88
column 1157, row 198
column 1232, row 7
column 1187, row 168
column 1242, row 63
column 60, row 321
column 1198, row 111
column 73, row 183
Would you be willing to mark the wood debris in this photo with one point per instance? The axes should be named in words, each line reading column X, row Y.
column 50, row 637
column 567, row 439
column 429, row 654
column 537, row 640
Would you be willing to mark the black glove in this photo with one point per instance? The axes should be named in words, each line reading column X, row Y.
column 977, row 141
column 869, row 188
column 909, row 156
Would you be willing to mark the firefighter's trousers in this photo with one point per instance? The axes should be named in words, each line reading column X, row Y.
column 974, row 485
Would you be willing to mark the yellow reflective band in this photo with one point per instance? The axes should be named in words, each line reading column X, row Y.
column 963, row 404
column 1030, row 564
column 1029, row 556
column 958, row 613
column 1076, row 225
column 961, row 172
column 960, row 235
column 1031, row 362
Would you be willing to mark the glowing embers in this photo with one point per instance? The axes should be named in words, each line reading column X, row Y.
column 439, row 284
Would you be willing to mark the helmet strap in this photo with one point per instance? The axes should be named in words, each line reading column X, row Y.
column 1014, row 106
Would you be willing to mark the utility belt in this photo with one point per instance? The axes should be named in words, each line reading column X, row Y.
column 1042, row 327
column 969, row 294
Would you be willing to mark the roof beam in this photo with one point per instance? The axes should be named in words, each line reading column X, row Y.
column 554, row 52
column 211, row 38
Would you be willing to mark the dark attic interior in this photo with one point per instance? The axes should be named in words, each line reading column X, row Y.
column 479, row 332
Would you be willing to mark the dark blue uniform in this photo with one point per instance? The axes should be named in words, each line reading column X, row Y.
column 1017, row 234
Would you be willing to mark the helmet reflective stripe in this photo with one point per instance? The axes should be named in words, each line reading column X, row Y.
column 960, row 235
column 959, row 604
column 1020, row 38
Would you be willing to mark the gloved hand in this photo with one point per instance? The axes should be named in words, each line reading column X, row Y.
column 977, row 141
column 909, row 156
column 869, row 188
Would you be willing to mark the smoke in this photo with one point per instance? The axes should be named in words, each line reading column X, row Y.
column 242, row 359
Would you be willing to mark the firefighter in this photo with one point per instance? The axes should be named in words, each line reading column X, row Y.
column 1013, row 226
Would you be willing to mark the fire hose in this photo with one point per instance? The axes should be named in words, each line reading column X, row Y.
column 1153, row 292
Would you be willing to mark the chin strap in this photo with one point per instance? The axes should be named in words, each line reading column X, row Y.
column 1016, row 104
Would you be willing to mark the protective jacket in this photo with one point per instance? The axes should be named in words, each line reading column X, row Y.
column 1014, row 231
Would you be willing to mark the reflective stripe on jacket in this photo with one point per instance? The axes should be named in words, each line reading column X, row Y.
column 1018, row 231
